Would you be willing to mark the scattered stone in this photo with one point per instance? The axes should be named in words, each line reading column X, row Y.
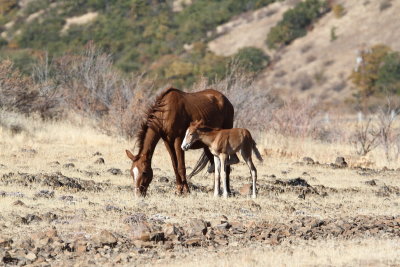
column 135, row 218
column 19, row 203
column 100, row 161
column 196, row 227
column 29, row 218
column 66, row 198
column 115, row 171
column 141, row 231
column 29, row 150
column 113, row 208
column 31, row 256
column 5, row 242
column 340, row 162
column 45, row 194
column 371, row 182
column 163, row 179
column 308, row 160
column 106, row 238
column 97, row 154
column 69, row 165
column 54, row 164
column 194, row 241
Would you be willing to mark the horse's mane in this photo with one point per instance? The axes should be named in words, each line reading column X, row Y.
column 151, row 121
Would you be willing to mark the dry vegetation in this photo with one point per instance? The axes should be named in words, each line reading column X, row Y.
column 50, row 183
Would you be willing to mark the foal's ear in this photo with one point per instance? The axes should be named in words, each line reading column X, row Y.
column 130, row 155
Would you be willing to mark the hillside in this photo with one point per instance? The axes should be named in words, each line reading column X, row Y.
column 177, row 42
column 316, row 65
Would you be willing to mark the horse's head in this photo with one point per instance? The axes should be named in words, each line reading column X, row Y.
column 192, row 134
column 141, row 172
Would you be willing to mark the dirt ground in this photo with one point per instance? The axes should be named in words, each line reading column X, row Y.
column 61, row 206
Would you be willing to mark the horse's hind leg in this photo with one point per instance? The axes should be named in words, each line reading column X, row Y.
column 246, row 154
column 217, row 164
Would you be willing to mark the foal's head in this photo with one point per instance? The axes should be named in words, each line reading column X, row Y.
column 141, row 172
column 192, row 134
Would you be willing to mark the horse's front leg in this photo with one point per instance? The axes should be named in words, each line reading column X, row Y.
column 180, row 155
column 171, row 150
column 217, row 174
column 223, row 159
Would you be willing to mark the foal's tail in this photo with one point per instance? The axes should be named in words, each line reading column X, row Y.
column 256, row 152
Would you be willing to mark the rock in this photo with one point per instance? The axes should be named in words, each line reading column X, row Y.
column 194, row 241
column 113, row 208
column 106, row 238
column 19, row 203
column 163, row 179
column 29, row 151
column 100, row 161
column 54, row 164
column 135, row 218
column 31, row 256
column 29, row 218
column 45, row 194
column 66, row 198
column 371, row 182
column 171, row 231
column 115, row 171
column 5, row 242
column 157, row 236
column 298, row 182
column 341, row 162
column 97, row 154
column 245, row 190
column 196, row 227
column 141, row 231
column 308, row 160
column 69, row 165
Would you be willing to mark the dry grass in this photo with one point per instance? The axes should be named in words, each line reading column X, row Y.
column 77, row 141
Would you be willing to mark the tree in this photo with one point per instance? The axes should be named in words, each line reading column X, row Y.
column 252, row 59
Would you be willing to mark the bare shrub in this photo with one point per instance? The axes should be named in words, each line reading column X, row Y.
column 297, row 118
column 388, row 136
column 365, row 138
column 253, row 105
column 21, row 93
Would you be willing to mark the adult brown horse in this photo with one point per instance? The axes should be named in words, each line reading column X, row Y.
column 167, row 119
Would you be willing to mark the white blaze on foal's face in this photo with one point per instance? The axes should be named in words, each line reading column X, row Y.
column 185, row 140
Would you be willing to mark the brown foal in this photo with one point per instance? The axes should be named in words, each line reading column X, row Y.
column 222, row 143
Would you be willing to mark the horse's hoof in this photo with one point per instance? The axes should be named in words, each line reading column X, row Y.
column 253, row 196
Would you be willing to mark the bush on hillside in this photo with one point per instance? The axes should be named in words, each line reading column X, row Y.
column 389, row 74
column 252, row 59
column 295, row 22
column 366, row 74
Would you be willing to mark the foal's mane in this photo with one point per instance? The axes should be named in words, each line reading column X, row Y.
column 151, row 120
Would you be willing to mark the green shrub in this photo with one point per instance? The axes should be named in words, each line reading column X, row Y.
column 252, row 59
column 295, row 22
column 389, row 74
column 338, row 10
column 367, row 74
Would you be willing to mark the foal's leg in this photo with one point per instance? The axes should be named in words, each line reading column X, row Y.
column 246, row 154
column 223, row 158
column 217, row 173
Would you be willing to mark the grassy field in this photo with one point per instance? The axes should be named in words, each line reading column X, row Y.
column 49, row 181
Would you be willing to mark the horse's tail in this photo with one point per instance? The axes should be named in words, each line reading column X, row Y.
column 256, row 152
column 200, row 165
